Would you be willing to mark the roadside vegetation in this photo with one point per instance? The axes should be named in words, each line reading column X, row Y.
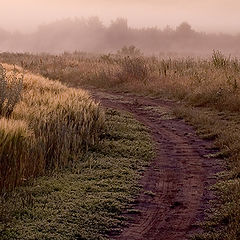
column 223, row 219
column 209, row 90
column 84, row 201
column 67, row 168
column 44, row 126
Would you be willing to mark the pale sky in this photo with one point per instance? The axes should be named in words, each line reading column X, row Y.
column 203, row 15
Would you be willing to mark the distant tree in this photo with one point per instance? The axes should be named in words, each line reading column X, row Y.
column 95, row 23
column 168, row 30
column 184, row 29
column 118, row 33
column 120, row 24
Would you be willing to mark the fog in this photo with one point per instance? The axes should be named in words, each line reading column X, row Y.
column 204, row 15
column 64, row 25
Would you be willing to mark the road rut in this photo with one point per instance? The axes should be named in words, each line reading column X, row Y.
column 175, row 187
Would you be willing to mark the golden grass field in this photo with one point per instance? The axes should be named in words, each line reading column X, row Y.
column 46, row 130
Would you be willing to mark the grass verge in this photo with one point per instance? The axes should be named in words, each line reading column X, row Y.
column 223, row 221
column 86, row 200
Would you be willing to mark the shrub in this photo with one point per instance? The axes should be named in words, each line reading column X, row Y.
column 10, row 92
column 219, row 60
column 133, row 68
column 131, row 51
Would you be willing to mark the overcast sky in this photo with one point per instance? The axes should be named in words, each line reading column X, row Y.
column 203, row 15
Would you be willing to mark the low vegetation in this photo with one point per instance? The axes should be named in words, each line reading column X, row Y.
column 84, row 201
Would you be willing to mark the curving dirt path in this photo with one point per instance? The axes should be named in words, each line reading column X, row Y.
column 175, row 186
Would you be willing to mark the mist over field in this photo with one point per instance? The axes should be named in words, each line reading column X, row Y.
column 154, row 26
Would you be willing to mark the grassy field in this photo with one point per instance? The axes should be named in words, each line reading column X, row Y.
column 209, row 90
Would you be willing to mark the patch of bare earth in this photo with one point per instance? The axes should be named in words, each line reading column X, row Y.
column 175, row 187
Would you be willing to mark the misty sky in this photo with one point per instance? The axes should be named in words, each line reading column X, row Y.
column 203, row 15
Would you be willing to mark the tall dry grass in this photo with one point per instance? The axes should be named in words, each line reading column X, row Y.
column 48, row 129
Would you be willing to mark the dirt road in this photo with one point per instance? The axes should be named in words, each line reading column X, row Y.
column 175, row 186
